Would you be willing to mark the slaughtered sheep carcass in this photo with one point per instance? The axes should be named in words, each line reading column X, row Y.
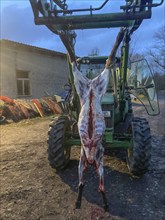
column 91, row 125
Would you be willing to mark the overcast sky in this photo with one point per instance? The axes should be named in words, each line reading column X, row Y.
column 17, row 24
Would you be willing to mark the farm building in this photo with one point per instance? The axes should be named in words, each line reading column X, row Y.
column 31, row 72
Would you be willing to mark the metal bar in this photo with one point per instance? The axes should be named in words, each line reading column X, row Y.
column 95, row 25
column 157, row 4
column 125, row 62
column 78, row 10
column 127, row 7
column 150, row 5
column 119, row 144
column 79, row 19
column 34, row 8
column 72, row 142
column 61, row 5
column 114, row 144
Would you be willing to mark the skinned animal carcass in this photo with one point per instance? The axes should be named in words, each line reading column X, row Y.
column 91, row 124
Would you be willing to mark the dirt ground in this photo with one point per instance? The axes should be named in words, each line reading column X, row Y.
column 30, row 189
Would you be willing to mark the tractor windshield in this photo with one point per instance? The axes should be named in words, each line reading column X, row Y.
column 91, row 70
column 141, row 79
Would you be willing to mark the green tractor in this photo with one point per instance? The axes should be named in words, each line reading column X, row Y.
column 127, row 80
column 123, row 130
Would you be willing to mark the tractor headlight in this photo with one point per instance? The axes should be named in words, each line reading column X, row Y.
column 107, row 114
column 85, row 60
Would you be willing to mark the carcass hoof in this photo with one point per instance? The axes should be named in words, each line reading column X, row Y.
column 106, row 207
column 78, row 204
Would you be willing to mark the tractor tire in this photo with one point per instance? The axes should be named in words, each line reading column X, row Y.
column 139, row 156
column 58, row 154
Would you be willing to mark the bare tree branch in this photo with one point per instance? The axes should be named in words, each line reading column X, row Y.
column 157, row 52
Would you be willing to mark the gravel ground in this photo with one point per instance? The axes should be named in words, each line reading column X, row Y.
column 31, row 190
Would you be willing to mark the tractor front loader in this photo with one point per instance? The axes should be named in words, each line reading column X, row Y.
column 123, row 130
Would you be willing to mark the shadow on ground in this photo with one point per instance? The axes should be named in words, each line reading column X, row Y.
column 128, row 197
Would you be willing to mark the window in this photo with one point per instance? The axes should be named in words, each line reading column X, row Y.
column 23, row 83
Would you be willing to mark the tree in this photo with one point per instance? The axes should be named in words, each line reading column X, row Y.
column 134, row 53
column 159, row 81
column 94, row 52
column 136, row 56
column 157, row 52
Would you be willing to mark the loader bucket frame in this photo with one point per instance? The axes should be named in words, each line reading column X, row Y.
column 60, row 20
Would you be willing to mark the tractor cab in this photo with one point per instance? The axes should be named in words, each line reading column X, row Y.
column 92, row 66
column 140, row 81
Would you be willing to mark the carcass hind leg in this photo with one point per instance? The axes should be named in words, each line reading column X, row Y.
column 101, row 184
column 81, row 183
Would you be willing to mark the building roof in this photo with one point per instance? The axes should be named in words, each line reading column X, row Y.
column 9, row 43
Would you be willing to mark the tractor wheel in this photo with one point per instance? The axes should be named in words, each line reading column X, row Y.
column 58, row 154
column 140, row 154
